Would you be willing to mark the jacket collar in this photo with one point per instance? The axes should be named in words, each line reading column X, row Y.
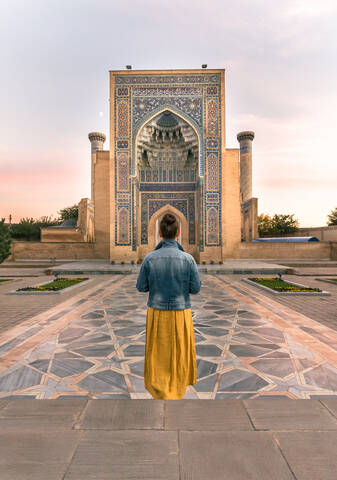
column 170, row 243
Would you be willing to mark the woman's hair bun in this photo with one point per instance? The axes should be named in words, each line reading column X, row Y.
column 169, row 219
column 169, row 226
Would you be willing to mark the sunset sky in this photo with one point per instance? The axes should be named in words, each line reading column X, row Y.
column 281, row 82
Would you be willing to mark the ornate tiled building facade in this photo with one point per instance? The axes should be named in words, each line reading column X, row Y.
column 192, row 102
column 167, row 153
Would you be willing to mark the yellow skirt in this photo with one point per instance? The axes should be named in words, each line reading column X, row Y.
column 170, row 359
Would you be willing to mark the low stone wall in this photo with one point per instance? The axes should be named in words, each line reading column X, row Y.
column 250, row 250
column 324, row 234
column 46, row 250
column 61, row 235
column 311, row 250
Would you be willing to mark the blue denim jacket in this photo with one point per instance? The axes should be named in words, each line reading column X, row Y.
column 169, row 275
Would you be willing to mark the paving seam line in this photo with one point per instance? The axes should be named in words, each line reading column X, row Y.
column 278, row 446
column 249, row 417
column 80, row 435
column 327, row 408
column 81, row 415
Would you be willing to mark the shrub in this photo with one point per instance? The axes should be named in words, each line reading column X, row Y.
column 69, row 213
column 30, row 229
column 277, row 225
column 5, row 241
column 332, row 217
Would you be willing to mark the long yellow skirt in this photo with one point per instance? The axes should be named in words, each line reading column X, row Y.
column 170, row 359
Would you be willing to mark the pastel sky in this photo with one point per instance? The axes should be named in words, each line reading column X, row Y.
column 281, row 82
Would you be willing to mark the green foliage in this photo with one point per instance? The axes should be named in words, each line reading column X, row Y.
column 282, row 286
column 58, row 284
column 332, row 217
column 277, row 225
column 5, row 241
column 69, row 212
column 30, row 229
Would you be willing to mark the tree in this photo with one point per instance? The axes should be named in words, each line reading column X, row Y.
column 332, row 217
column 279, row 224
column 5, row 241
column 69, row 212
column 264, row 225
column 30, row 229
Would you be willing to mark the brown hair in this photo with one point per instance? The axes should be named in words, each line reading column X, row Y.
column 169, row 226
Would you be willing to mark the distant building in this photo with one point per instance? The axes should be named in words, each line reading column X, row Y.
column 167, row 154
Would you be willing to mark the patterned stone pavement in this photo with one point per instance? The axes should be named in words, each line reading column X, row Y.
column 92, row 346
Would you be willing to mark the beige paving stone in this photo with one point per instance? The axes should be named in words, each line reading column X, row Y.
column 137, row 454
column 122, row 415
column 286, row 414
column 3, row 403
column 217, row 414
column 232, row 456
column 32, row 414
column 36, row 455
column 310, row 455
column 29, row 407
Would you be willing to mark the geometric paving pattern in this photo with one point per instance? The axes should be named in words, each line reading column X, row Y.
column 241, row 351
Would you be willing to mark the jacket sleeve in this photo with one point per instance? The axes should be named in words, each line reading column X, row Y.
column 195, row 282
column 143, row 278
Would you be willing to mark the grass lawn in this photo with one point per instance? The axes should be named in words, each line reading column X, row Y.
column 58, row 284
column 282, row 286
column 5, row 279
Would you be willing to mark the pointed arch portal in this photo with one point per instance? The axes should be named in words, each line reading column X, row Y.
column 167, row 136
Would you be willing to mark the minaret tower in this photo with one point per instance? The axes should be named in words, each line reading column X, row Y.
column 245, row 139
column 97, row 140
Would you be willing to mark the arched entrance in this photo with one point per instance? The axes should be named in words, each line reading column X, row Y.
column 154, row 237
column 167, row 179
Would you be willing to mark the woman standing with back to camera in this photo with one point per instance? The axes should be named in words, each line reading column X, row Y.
column 169, row 274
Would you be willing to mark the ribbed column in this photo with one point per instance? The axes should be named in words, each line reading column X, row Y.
column 245, row 139
column 97, row 140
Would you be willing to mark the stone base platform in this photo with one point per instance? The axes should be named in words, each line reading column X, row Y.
column 231, row 266
column 75, row 439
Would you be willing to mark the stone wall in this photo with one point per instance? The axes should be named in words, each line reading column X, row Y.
column 61, row 235
column 47, row 250
column 326, row 234
column 87, row 250
column 279, row 250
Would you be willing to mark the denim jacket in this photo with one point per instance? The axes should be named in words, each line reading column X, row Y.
column 169, row 275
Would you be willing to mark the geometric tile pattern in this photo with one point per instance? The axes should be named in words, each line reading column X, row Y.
column 196, row 98
column 241, row 351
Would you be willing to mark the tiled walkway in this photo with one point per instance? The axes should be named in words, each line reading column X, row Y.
column 92, row 346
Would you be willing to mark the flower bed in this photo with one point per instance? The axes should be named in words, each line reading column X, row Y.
column 282, row 286
column 55, row 285
column 5, row 279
